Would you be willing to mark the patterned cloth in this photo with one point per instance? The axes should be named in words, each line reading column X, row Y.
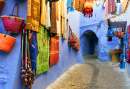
column 69, row 4
column 79, row 5
column 54, row 50
column 33, row 49
column 33, row 15
column 43, row 40
column 53, row 19
column 43, row 12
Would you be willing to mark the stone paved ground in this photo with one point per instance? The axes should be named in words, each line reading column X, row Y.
column 93, row 75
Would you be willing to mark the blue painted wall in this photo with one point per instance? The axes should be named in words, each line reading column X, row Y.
column 99, row 27
column 10, row 63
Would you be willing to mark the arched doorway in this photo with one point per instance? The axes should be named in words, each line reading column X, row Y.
column 89, row 44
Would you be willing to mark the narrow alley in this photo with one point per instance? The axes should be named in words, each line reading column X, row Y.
column 93, row 75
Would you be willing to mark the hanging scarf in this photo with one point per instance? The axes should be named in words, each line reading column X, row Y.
column 79, row 5
column 88, row 8
column 57, row 7
column 48, row 20
column 54, row 50
column 33, row 15
column 106, row 10
column 69, row 6
column 26, row 61
column 43, row 40
column 124, row 5
column 64, row 22
column 33, row 49
column 43, row 12
column 113, row 6
column 53, row 19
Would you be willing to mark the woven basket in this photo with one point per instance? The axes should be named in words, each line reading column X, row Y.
column 6, row 42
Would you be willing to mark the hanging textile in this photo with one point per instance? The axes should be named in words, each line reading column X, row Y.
column 43, row 40
column 69, row 6
column 53, row 0
column 88, row 8
column 64, row 23
column 53, row 19
column 57, row 8
column 79, row 5
column 33, row 15
column 106, row 9
column 113, row 6
column 27, row 75
column 48, row 20
column 43, row 12
column 54, row 50
column 33, row 49
column 124, row 5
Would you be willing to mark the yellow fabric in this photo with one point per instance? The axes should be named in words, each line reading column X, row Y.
column 65, row 23
column 33, row 15
column 124, row 5
column 79, row 5
column 43, row 12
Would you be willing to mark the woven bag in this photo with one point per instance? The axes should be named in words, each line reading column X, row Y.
column 13, row 23
column 6, row 42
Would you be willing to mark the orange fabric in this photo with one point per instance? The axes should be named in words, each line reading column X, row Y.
column 57, row 10
column 6, row 43
column 88, row 8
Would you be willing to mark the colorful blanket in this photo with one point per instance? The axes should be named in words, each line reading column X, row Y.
column 43, row 40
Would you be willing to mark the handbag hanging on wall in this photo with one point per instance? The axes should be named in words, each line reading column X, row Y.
column 72, row 40
column 13, row 23
column 6, row 42
column 1, row 4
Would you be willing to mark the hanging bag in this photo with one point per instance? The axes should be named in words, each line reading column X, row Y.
column 1, row 4
column 13, row 23
column 119, row 32
column 6, row 42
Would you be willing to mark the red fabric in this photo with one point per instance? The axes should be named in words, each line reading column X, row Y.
column 54, row 50
column 57, row 10
column 88, row 8
column 113, row 6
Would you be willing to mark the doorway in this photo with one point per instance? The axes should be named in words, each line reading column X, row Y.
column 89, row 44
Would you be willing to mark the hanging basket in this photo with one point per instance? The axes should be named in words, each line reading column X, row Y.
column 13, row 23
column 1, row 4
column 6, row 42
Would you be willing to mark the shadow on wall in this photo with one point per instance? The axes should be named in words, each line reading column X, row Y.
column 89, row 43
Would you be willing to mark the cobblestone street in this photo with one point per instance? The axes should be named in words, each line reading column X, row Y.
column 93, row 75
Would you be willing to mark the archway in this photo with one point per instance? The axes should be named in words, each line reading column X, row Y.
column 89, row 44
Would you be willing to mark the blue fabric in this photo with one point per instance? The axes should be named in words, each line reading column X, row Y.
column 69, row 8
column 33, row 50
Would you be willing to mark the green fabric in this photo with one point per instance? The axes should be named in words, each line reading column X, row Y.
column 43, row 39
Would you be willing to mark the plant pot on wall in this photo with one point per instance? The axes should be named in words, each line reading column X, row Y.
column 1, row 4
